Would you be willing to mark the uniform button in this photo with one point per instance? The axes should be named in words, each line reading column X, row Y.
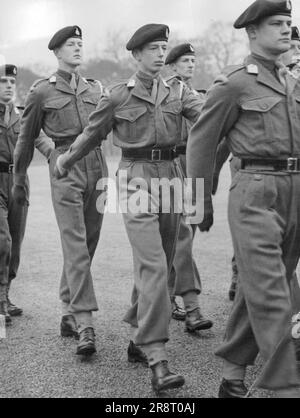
column 258, row 177
column 264, row 106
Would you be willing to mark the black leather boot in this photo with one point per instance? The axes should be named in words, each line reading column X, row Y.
column 232, row 389
column 195, row 321
column 68, row 327
column 178, row 313
column 136, row 354
column 86, row 345
column 12, row 309
column 163, row 379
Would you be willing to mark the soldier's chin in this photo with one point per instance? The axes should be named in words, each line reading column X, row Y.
column 76, row 61
column 284, row 47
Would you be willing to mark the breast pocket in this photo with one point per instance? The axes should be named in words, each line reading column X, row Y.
column 60, row 113
column 264, row 124
column 261, row 117
column 131, row 123
column 90, row 104
column 172, row 113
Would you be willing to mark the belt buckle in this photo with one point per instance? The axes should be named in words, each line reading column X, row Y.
column 292, row 165
column 156, row 155
column 10, row 168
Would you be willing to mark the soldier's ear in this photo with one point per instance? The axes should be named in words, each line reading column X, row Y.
column 136, row 53
column 251, row 32
column 173, row 66
column 56, row 52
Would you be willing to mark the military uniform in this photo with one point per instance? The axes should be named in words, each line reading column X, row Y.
column 184, row 276
column 12, row 216
column 260, row 119
column 54, row 106
column 140, row 122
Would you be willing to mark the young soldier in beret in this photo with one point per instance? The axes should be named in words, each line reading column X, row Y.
column 256, row 107
column 145, row 114
column 61, row 105
column 184, row 278
column 289, row 59
column 12, row 216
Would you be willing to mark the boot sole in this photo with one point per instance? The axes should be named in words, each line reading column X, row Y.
column 203, row 327
column 18, row 313
column 86, row 351
column 171, row 385
column 68, row 332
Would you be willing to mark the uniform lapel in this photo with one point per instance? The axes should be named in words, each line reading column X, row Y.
column 62, row 85
column 14, row 117
column 83, row 85
column 139, row 90
column 2, row 123
column 163, row 91
column 266, row 78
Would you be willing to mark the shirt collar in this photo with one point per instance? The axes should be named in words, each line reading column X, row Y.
column 267, row 63
column 66, row 75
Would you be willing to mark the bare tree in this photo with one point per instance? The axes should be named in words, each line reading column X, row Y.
column 220, row 46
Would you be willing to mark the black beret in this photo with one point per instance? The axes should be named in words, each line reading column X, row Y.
column 261, row 9
column 178, row 51
column 295, row 34
column 63, row 34
column 148, row 33
column 8, row 70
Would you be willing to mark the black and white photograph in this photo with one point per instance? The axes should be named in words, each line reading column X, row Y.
column 150, row 202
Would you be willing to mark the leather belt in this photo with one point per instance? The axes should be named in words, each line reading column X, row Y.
column 290, row 165
column 6, row 168
column 180, row 150
column 151, row 154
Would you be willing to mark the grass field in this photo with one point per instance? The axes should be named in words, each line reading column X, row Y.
column 36, row 362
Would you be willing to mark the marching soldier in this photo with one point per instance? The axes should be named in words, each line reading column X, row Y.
column 257, row 109
column 291, row 59
column 145, row 114
column 185, row 278
column 61, row 105
column 12, row 216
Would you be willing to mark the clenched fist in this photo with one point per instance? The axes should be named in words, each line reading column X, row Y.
column 59, row 171
column 19, row 194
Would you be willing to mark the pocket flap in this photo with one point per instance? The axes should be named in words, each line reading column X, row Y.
column 261, row 105
column 58, row 103
column 173, row 107
column 131, row 114
column 91, row 100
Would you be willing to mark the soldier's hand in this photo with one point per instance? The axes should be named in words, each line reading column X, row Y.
column 215, row 183
column 20, row 195
column 207, row 222
column 59, row 170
